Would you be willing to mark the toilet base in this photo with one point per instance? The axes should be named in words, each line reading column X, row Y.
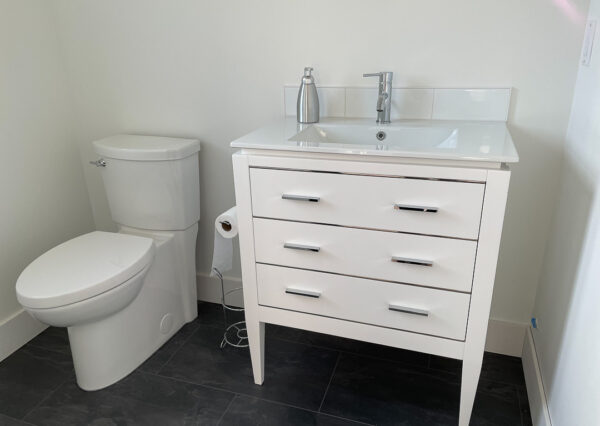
column 107, row 350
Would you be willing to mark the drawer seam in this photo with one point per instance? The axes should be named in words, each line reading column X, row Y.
column 366, row 278
column 365, row 323
column 369, row 174
column 367, row 229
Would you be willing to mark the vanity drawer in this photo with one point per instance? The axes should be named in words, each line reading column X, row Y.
column 404, row 307
column 387, row 203
column 417, row 259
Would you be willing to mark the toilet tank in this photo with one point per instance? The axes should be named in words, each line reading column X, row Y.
column 151, row 182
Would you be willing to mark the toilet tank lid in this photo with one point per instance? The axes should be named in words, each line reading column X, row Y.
column 146, row 148
column 83, row 267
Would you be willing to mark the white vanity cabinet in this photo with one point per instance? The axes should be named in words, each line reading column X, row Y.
column 391, row 250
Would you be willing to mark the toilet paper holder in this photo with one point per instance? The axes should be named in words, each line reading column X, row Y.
column 226, row 225
column 236, row 334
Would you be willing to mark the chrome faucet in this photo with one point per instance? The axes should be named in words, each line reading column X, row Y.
column 384, row 98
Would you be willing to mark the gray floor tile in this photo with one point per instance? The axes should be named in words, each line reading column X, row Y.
column 503, row 391
column 448, row 365
column 28, row 376
column 295, row 374
column 387, row 393
column 54, row 339
column 524, row 406
column 139, row 399
column 9, row 421
column 211, row 314
column 246, row 411
column 166, row 351
column 495, row 367
column 502, row 368
column 491, row 411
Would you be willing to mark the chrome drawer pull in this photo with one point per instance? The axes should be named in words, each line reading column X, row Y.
column 307, row 293
column 412, row 208
column 407, row 310
column 410, row 261
column 304, row 247
column 300, row 197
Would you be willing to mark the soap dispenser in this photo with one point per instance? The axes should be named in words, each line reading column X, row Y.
column 307, row 109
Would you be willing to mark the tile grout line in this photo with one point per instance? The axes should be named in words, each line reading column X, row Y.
column 358, row 422
column 337, row 361
column 56, row 351
column 189, row 382
column 19, row 421
column 227, row 409
column 240, row 394
column 44, row 399
column 51, row 392
column 283, row 404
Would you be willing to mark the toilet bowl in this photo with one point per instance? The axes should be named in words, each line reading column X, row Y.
column 123, row 294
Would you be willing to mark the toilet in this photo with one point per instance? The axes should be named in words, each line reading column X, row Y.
column 123, row 294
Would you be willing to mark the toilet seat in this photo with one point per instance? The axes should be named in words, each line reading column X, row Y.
column 83, row 267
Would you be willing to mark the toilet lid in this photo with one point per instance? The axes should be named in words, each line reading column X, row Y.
column 146, row 148
column 82, row 268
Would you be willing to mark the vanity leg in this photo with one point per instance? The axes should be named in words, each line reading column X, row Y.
column 256, row 339
column 471, row 370
column 255, row 328
column 492, row 218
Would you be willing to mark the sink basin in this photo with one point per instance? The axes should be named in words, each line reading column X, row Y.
column 378, row 137
column 419, row 139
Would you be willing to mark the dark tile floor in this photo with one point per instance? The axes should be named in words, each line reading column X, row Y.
column 311, row 379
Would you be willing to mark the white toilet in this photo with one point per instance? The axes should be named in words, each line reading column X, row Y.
column 122, row 295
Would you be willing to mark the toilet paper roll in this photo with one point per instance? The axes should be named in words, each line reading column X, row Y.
column 226, row 229
column 227, row 224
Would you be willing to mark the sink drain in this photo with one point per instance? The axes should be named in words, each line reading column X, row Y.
column 380, row 135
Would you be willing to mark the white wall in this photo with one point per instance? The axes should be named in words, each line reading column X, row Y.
column 567, row 305
column 42, row 189
column 215, row 70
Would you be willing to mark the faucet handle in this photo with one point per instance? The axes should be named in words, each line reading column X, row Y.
column 383, row 75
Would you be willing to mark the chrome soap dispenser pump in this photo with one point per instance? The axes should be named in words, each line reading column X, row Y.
column 307, row 108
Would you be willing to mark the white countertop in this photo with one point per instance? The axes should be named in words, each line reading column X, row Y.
column 480, row 141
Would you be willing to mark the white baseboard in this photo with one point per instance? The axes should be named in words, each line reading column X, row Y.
column 535, row 386
column 505, row 337
column 17, row 330
column 209, row 289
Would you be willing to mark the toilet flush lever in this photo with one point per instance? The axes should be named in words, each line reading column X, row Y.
column 99, row 163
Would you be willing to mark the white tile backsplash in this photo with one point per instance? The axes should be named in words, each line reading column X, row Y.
column 409, row 103
column 290, row 97
column 471, row 104
column 412, row 104
column 361, row 102
column 332, row 101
